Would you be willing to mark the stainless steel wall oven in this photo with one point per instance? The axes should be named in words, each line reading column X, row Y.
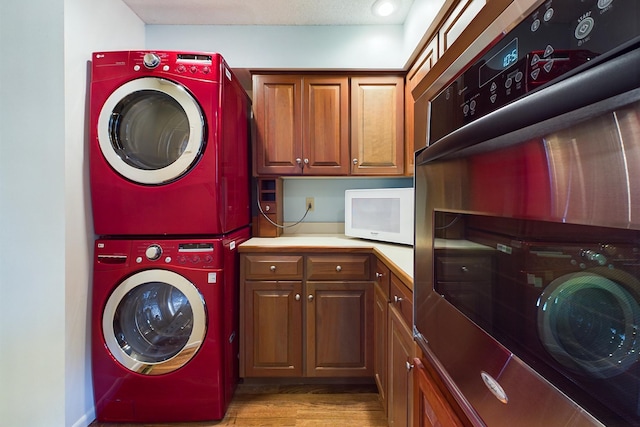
column 527, row 245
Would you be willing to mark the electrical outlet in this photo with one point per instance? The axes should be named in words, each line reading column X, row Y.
column 309, row 203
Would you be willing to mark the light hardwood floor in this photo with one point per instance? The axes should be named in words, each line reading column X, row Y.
column 293, row 405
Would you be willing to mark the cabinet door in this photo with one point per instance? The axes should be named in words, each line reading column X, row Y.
column 273, row 329
column 432, row 409
column 381, row 332
column 277, row 106
column 459, row 18
column 339, row 329
column 325, row 147
column 400, row 382
column 377, row 125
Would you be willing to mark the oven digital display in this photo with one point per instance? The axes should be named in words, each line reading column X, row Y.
column 506, row 57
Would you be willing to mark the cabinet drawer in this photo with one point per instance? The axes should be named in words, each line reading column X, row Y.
column 463, row 269
column 272, row 267
column 339, row 267
column 402, row 299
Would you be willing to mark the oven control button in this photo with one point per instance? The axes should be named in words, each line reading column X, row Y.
column 153, row 252
column 535, row 25
column 603, row 4
column 584, row 28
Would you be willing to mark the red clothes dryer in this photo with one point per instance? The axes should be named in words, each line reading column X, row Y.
column 169, row 144
column 164, row 328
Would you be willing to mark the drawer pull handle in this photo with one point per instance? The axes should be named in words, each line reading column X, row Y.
column 310, row 297
column 464, row 269
column 297, row 297
column 397, row 299
column 338, row 268
column 272, row 268
column 379, row 275
column 409, row 366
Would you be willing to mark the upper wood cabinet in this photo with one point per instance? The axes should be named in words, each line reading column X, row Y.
column 459, row 18
column 377, row 125
column 277, row 107
column 304, row 125
column 325, row 126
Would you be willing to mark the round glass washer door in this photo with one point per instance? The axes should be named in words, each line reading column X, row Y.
column 154, row 322
column 589, row 324
column 151, row 130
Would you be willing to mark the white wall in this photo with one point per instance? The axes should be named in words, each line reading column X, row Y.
column 90, row 25
column 382, row 47
column 288, row 47
column 32, row 223
column 45, row 225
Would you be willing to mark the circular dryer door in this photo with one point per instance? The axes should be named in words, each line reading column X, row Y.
column 154, row 322
column 589, row 323
column 151, row 130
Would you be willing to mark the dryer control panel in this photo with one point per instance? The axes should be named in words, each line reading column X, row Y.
column 156, row 63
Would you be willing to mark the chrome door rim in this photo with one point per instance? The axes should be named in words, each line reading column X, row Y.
column 196, row 337
column 196, row 131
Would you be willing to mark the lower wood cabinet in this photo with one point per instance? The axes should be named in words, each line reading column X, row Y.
column 339, row 336
column 272, row 331
column 306, row 328
column 394, row 347
column 381, row 330
column 400, row 382
column 432, row 408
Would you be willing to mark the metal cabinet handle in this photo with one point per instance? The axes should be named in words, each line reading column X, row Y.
column 298, row 160
column 338, row 268
column 297, row 297
column 397, row 299
column 272, row 268
column 306, row 161
column 355, row 161
column 464, row 269
column 310, row 297
column 379, row 275
column 409, row 366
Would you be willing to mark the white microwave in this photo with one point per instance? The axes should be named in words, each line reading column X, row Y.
column 384, row 214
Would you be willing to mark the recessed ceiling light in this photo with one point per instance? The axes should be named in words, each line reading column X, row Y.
column 384, row 7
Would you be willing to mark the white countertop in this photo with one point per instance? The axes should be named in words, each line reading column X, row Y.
column 400, row 255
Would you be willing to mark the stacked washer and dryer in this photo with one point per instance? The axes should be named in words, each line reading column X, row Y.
column 170, row 191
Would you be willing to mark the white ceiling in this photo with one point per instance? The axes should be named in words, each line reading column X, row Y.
column 265, row 12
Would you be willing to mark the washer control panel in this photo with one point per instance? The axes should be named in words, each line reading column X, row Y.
column 199, row 253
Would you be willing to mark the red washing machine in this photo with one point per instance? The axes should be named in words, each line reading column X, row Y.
column 169, row 144
column 164, row 328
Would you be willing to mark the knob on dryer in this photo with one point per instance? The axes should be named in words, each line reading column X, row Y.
column 153, row 252
column 151, row 60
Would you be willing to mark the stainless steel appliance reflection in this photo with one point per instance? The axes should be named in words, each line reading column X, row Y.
column 546, row 311
column 568, row 188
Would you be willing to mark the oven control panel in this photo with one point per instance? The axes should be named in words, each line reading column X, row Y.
column 560, row 36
